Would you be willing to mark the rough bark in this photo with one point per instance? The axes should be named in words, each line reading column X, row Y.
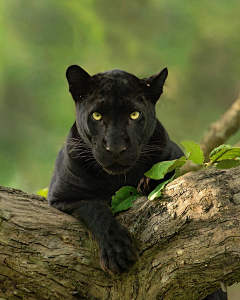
column 220, row 131
column 188, row 242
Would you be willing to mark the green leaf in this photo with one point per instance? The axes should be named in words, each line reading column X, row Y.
column 224, row 152
column 124, row 198
column 194, row 152
column 227, row 164
column 156, row 193
column 43, row 192
column 159, row 170
column 219, row 151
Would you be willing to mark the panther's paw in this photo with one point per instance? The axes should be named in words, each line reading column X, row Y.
column 143, row 186
column 117, row 253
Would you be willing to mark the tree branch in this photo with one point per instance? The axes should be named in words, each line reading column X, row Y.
column 188, row 242
column 220, row 131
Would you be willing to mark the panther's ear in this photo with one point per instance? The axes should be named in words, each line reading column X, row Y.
column 155, row 84
column 78, row 81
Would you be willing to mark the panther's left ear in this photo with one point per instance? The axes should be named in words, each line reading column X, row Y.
column 78, row 80
column 155, row 84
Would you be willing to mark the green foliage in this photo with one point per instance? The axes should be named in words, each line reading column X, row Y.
column 124, row 198
column 43, row 192
column 156, row 193
column 224, row 152
column 223, row 157
column 194, row 152
column 159, row 170
column 227, row 164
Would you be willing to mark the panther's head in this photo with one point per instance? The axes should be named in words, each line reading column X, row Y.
column 115, row 113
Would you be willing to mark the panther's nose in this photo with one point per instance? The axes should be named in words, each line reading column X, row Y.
column 116, row 150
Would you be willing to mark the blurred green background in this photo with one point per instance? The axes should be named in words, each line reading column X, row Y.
column 199, row 42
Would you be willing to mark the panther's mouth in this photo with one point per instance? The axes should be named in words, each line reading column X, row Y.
column 116, row 169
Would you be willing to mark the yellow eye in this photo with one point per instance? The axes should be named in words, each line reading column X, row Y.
column 97, row 116
column 135, row 115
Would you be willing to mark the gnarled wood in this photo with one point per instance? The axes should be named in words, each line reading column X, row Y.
column 188, row 242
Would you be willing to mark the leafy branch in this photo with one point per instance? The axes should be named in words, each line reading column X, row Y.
column 222, row 157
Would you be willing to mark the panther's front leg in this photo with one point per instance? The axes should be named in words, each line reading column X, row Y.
column 116, row 250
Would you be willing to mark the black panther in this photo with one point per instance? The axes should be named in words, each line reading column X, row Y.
column 115, row 139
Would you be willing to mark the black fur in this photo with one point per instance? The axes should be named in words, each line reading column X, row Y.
column 101, row 156
column 218, row 295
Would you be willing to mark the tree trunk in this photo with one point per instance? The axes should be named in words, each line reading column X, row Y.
column 188, row 242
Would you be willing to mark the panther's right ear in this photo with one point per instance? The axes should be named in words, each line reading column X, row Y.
column 155, row 84
column 78, row 81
